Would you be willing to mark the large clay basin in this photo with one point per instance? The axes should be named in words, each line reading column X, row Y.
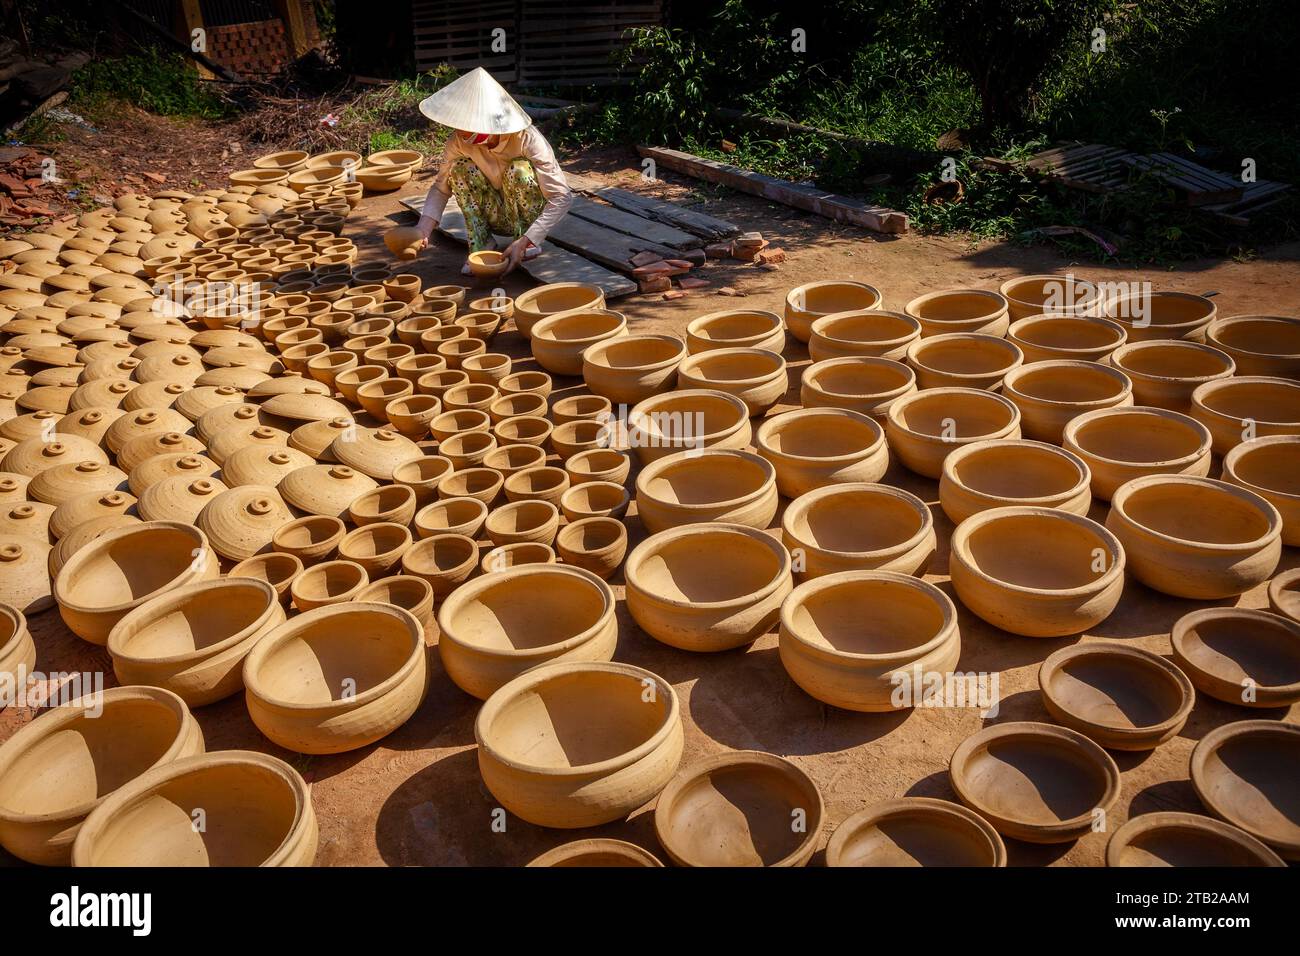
column 1119, row 444
column 707, row 587
column 1284, row 594
column 558, row 341
column 863, row 333
column 601, row 852
column 915, row 831
column 807, row 303
column 854, row 661
column 858, row 383
column 1035, row 782
column 1162, row 315
column 1270, row 467
column 377, row 547
column 756, row 376
column 1246, row 407
column 740, row 809
column 193, row 640
column 119, row 571
column 1038, row 572
column 735, row 330
column 55, row 770
column 1050, row 295
column 1245, row 773
column 814, row 447
column 995, row 474
column 579, row 743
column 337, row 677
column 630, row 369
column 925, row 427
column 536, row 304
column 1124, row 698
column 1051, row 394
column 1077, row 338
column 498, row 626
column 1196, row 537
column 1165, row 373
column 711, row 485
column 960, row 310
column 256, row 811
column 1170, row 838
column 687, row 420
column 1240, row 656
column 1259, row 344
column 855, row 527
column 963, row 360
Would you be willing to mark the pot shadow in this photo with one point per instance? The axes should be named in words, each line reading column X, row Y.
column 937, row 785
column 1025, row 705
column 1020, row 853
column 1208, row 714
column 1168, row 795
column 1143, row 612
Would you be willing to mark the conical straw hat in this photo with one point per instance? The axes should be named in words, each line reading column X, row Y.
column 476, row 103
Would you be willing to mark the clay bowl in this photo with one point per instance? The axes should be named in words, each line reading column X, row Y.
column 443, row 560
column 807, row 303
column 498, row 626
column 120, row 570
column 276, row 569
column 543, row 483
column 595, row 499
column 736, row 809
column 735, row 330
column 527, row 382
column 514, row 458
column 422, row 475
column 1166, row 373
column 1185, row 839
column 1245, row 773
column 59, row 767
column 858, row 527
column 536, row 304
column 458, row 422
column 1240, row 656
column 573, row 437
column 337, row 677
column 17, row 650
column 707, row 587
column 1120, row 444
column 1034, row 782
column 686, row 420
column 467, row 450
column 1284, row 594
column 915, row 831
column 598, row 464
column 516, row 555
column 1259, row 344
column 756, row 376
column 854, row 661
column 579, row 743
column 963, row 360
column 487, row 263
column 814, row 447
column 1246, row 407
column 558, row 341
column 857, row 383
column 481, row 483
column 1037, row 572
column 386, row 504
column 968, row 311
column 925, row 427
column 518, row 521
column 711, row 485
column 1078, row 338
column 597, row 544
column 995, row 474
column 863, row 333
column 1270, row 467
column 401, row 590
column 601, row 852
column 256, row 807
column 375, row 547
column 332, row 582
column 1050, row 294
column 582, row 408
column 192, row 640
column 1051, row 394
column 513, row 406
column 630, row 369
column 310, row 539
column 1162, row 315
column 1196, row 537
column 1122, row 697
column 522, row 430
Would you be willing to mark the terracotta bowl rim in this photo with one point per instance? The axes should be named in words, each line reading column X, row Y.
column 1274, row 517
column 1075, row 424
column 1128, row 348
column 914, row 806
column 1107, row 649
column 1181, row 630
column 175, row 597
column 801, row 504
column 652, row 544
column 1145, row 823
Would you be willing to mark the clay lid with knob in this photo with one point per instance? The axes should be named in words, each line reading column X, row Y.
column 24, row 575
column 67, row 481
column 240, row 522
column 262, row 465
column 375, row 451
column 325, row 489
column 178, row 498
column 86, row 508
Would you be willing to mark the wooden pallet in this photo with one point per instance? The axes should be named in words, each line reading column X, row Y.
column 1091, row 167
column 1257, row 197
column 1198, row 185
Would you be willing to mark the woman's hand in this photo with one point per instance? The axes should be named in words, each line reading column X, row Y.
column 426, row 225
column 515, row 253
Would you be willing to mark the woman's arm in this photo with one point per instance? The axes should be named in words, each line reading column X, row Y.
column 554, row 186
column 439, row 192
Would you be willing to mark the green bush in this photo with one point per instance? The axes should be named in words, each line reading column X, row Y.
column 163, row 83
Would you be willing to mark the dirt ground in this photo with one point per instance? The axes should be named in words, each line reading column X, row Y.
column 417, row 798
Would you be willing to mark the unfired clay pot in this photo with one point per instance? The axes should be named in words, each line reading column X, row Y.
column 576, row 408
column 807, row 303
column 711, row 485
column 402, row 590
column 443, row 560
column 481, row 483
column 814, row 447
column 1284, row 594
column 422, row 475
column 1120, row 444
column 925, row 427
column 1165, row 373
column 863, row 333
column 631, row 368
column 1246, row 407
column 707, row 587
column 1035, row 782
column 276, row 569
column 337, row 677
column 1259, row 344
column 854, row 661
column 333, row 582
column 579, row 743
column 1270, row 467
column 528, row 520
column 597, row 544
column 595, row 499
column 1245, row 774
column 756, row 376
column 1038, row 572
column 542, row 483
column 375, row 547
column 17, row 650
column 1169, row 838
column 256, row 808
column 963, row 360
column 598, row 464
column 1240, row 656
column 536, row 304
column 735, row 330
column 995, row 474
column 854, row 527
column 1051, row 295
column 498, row 626
column 1162, row 315
column 516, row 555
column 600, row 852
column 451, row 516
column 1076, row 338
column 558, row 341
column 859, row 383
column 687, row 420
column 1196, row 537
column 742, row 808
column 915, row 831
column 960, row 311
column 310, row 539
column 1051, row 394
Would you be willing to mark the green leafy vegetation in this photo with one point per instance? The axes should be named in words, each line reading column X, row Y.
column 163, row 83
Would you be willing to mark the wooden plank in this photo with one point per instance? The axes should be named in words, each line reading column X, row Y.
column 808, row 198
column 1198, row 192
column 700, row 224
column 633, row 225
column 611, row 249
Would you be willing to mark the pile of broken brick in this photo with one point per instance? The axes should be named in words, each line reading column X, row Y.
column 28, row 193
column 655, row 273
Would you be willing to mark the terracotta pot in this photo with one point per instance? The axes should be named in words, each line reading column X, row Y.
column 116, row 573
column 514, row 458
column 444, row 560
column 1034, row 782
column 598, row 464
column 687, row 420
column 530, row 520
column 500, row 625
column 332, row 582
column 1244, row 773
column 711, row 485
column 601, row 852
column 595, row 499
column 487, row 368
column 60, row 767
column 863, row 333
column 582, row 408
column 860, row 384
column 1270, row 467
column 1080, row 338
column 311, row 539
column 1120, row 444
column 468, row 449
column 857, row 663
column 853, row 527
column 258, row 809
column 742, row 329
column 1162, row 315
column 960, row 311
column 1246, row 407
column 756, row 376
column 595, row 544
column 470, row 395
column 807, row 303
column 925, row 427
column 241, row 522
column 517, row 555
column 376, row 548
column 558, row 341
column 585, row 772
column 422, row 475
column 1196, row 537
column 573, row 437
column 536, row 304
column 963, row 360
column 737, row 809
column 276, row 569
column 1240, row 656
column 542, row 483
column 324, row 489
column 1165, row 374
column 404, row 591
column 192, row 640
column 915, row 831
column 1051, row 394
column 389, row 503
column 995, row 474
column 1168, row 838
column 631, row 368
column 483, row 484
column 526, row 382
column 522, row 430
column 447, row 424
column 1284, row 594
column 1259, row 344
column 375, row 397
column 1050, row 295
column 464, row 516
column 17, row 650
column 815, row 447
column 337, row 677
column 707, row 587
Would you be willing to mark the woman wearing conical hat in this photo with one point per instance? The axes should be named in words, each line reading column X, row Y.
column 501, row 170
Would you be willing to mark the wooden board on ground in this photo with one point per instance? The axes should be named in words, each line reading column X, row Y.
column 633, row 225
column 1256, row 197
column 552, row 265
column 1200, row 186
column 707, row 227
column 1088, row 166
column 611, row 249
column 808, row 198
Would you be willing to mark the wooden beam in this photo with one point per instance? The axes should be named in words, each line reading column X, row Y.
column 187, row 16
column 295, row 29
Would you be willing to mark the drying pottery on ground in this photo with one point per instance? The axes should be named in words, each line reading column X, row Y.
column 963, row 360
column 1166, row 373
column 631, row 368
column 1259, row 344
column 1245, row 773
column 1051, row 394
column 1240, row 656
column 858, row 527
column 925, row 427
column 806, row 304
column 735, row 330
column 996, row 474
column 1120, row 444
column 814, row 447
column 863, row 333
column 915, row 831
column 1170, row 838
column 858, row 383
column 1270, row 467
column 711, row 485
